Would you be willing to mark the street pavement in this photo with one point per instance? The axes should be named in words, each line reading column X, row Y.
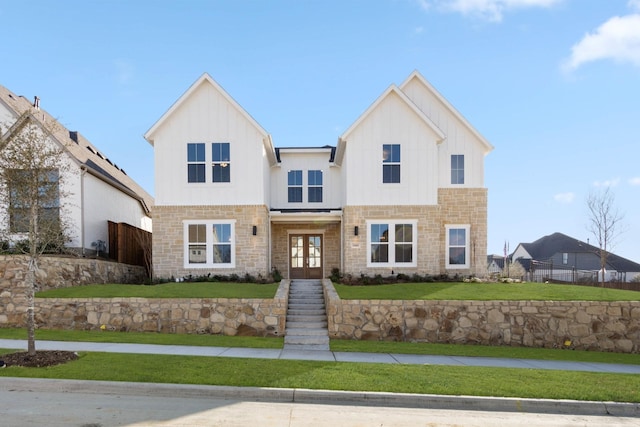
column 314, row 397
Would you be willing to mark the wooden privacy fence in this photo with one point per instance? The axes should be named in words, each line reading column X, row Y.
column 127, row 244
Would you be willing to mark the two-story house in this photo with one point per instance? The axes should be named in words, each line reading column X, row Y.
column 97, row 189
column 401, row 192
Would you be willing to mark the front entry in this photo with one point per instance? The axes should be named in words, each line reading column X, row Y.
column 305, row 251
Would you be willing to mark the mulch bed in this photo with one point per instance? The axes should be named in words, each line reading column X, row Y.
column 41, row 359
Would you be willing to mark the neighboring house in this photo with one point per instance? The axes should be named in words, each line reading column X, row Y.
column 560, row 257
column 495, row 265
column 401, row 192
column 98, row 190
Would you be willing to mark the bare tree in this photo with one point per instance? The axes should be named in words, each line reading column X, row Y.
column 604, row 223
column 32, row 175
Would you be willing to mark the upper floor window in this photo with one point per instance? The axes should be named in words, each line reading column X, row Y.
column 391, row 163
column 195, row 162
column 457, row 244
column 294, row 180
column 391, row 243
column 221, row 162
column 315, row 186
column 457, row 169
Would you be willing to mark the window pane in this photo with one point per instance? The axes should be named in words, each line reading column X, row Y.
column 391, row 173
column 220, row 151
column 295, row 194
column 379, row 232
column 221, row 254
column 221, row 172
column 457, row 169
column 457, row 237
column 404, row 233
column 221, row 233
column 295, row 177
column 315, row 194
column 380, row 253
column 197, row 233
column 197, row 254
column 404, row 253
column 195, row 152
column 315, row 177
column 457, row 256
column 196, row 173
column 391, row 153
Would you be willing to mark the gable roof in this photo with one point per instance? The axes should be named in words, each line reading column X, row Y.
column 547, row 246
column 419, row 77
column 80, row 150
column 391, row 90
column 205, row 78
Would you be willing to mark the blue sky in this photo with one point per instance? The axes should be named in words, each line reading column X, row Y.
column 554, row 85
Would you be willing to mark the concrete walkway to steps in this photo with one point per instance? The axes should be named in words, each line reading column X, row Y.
column 327, row 356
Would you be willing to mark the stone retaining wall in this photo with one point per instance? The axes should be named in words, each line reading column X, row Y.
column 588, row 325
column 62, row 272
column 250, row 317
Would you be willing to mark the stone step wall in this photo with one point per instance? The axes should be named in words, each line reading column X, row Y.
column 249, row 317
column 588, row 325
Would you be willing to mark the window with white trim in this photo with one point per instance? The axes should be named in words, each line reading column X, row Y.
column 294, row 180
column 390, row 163
column 391, row 243
column 209, row 244
column 314, row 183
column 457, row 246
column 457, row 168
column 196, row 162
column 221, row 166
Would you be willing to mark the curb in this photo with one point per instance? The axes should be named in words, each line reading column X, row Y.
column 288, row 395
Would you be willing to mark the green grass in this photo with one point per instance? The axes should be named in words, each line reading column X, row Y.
column 525, row 383
column 166, row 290
column 144, row 338
column 483, row 351
column 484, row 292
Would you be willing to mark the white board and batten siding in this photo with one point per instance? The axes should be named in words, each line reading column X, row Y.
column 306, row 159
column 208, row 115
column 392, row 121
column 461, row 137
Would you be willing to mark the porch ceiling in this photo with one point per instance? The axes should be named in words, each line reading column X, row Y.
column 328, row 216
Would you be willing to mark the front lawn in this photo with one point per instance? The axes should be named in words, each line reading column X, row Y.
column 484, row 292
column 166, row 290
column 448, row 380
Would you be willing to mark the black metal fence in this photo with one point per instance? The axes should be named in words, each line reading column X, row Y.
column 546, row 271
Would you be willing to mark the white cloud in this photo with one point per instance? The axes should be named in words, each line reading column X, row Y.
column 634, row 4
column 607, row 183
column 635, row 181
column 617, row 39
column 491, row 10
column 564, row 197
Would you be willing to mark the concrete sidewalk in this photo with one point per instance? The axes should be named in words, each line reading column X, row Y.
column 327, row 356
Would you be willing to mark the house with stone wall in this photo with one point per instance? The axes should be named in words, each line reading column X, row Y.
column 401, row 192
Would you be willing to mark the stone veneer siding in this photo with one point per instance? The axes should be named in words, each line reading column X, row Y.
column 455, row 206
column 250, row 317
column 585, row 325
column 280, row 244
column 252, row 252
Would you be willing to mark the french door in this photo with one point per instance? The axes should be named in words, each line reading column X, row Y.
column 305, row 256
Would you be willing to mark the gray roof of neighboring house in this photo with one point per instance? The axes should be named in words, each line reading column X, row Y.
column 81, row 150
column 547, row 246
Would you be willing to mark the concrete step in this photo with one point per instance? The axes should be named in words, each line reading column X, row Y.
column 307, row 332
column 306, row 340
column 311, row 311
column 301, row 306
column 314, row 300
column 313, row 318
column 306, row 325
